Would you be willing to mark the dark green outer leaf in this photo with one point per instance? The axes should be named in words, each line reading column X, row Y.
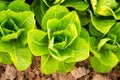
column 39, row 8
column 77, row 4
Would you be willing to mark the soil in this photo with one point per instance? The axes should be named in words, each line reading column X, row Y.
column 82, row 71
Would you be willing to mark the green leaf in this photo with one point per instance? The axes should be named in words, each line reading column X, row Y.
column 102, row 42
column 48, row 64
column 24, row 20
column 116, row 31
column 93, row 31
column 72, row 18
column 39, row 8
column 65, row 67
column 21, row 56
column 38, row 42
column 117, row 53
column 4, row 16
column 18, row 6
column 54, row 12
column 5, row 58
column 12, row 36
column 108, row 58
column 98, row 66
column 102, row 24
column 5, row 46
column 60, row 54
column 84, row 17
column 80, row 49
column 77, row 4
column 84, row 34
column 2, row 6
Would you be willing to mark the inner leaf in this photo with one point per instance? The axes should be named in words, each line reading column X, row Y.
column 58, row 39
column 9, row 26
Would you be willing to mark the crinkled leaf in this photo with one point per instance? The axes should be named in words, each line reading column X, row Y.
column 38, row 42
column 21, row 56
column 108, row 58
column 12, row 35
column 65, row 67
column 80, row 49
column 18, row 6
column 102, row 24
column 23, row 20
column 98, row 66
column 5, row 58
column 48, row 64
column 60, row 54
column 77, row 4
column 72, row 18
column 54, row 12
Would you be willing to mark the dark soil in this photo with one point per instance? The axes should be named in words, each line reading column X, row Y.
column 82, row 71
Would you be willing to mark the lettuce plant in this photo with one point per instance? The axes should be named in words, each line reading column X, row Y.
column 104, row 30
column 59, row 43
column 15, row 22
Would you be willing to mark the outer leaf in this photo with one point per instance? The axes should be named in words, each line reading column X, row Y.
column 18, row 6
column 98, row 66
column 108, row 58
column 65, row 67
column 117, row 53
column 80, row 49
column 54, row 12
column 93, row 31
column 39, row 8
column 48, row 64
column 116, row 31
column 84, row 34
column 102, row 24
column 5, row 58
column 2, row 6
column 77, row 4
column 5, row 46
column 21, row 56
column 4, row 16
column 38, row 42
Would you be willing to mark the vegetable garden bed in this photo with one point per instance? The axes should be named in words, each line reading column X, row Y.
column 60, row 39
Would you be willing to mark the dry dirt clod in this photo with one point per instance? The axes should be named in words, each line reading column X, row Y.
column 79, row 72
column 100, row 77
column 10, row 72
